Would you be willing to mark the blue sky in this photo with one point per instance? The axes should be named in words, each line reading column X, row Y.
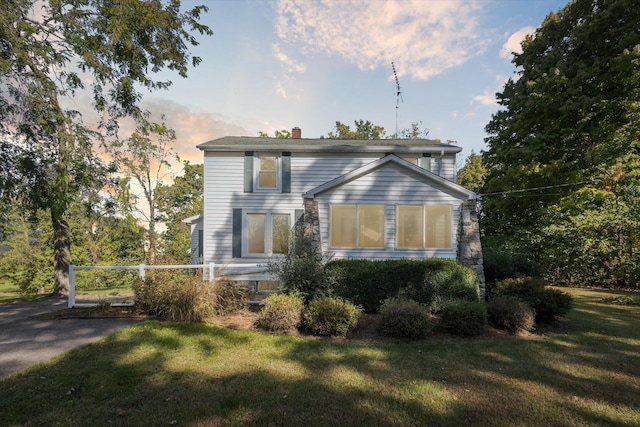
column 279, row 64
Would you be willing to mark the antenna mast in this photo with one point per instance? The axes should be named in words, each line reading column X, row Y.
column 398, row 94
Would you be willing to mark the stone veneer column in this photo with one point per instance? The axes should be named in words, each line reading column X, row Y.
column 312, row 223
column 470, row 249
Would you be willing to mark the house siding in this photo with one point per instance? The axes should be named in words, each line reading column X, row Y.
column 224, row 191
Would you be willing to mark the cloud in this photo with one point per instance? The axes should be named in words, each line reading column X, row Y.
column 513, row 44
column 289, row 63
column 192, row 128
column 485, row 99
column 488, row 97
column 425, row 38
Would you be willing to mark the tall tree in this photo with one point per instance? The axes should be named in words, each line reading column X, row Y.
column 569, row 116
column 177, row 201
column 144, row 158
column 50, row 51
column 364, row 130
column 473, row 174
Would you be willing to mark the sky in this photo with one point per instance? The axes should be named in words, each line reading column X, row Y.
column 273, row 65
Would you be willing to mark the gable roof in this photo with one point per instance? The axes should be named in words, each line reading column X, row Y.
column 248, row 143
column 390, row 159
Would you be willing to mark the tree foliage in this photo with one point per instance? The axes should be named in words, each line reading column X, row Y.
column 363, row 130
column 568, row 127
column 52, row 51
column 472, row 175
column 177, row 201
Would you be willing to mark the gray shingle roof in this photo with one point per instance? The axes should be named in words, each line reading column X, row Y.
column 248, row 143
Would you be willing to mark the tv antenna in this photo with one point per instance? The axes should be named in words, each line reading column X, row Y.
column 398, row 94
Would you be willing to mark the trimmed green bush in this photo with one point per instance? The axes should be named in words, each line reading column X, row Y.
column 404, row 318
column 281, row 312
column 511, row 314
column 330, row 316
column 465, row 318
column 548, row 303
column 430, row 281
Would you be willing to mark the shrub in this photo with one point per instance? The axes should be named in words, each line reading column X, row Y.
column 281, row 312
column 368, row 283
column 184, row 297
column 229, row 296
column 404, row 318
column 454, row 283
column 511, row 314
column 464, row 317
column 330, row 316
column 301, row 269
column 548, row 303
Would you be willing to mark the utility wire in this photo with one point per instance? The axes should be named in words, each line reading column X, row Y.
column 524, row 190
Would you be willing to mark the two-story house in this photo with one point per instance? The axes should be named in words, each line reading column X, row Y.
column 374, row 199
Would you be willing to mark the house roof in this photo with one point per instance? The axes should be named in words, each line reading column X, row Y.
column 390, row 159
column 248, row 143
column 193, row 219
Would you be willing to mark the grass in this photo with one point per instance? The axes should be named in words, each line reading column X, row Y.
column 10, row 293
column 585, row 371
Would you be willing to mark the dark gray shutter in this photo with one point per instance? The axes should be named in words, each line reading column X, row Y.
column 236, row 241
column 248, row 172
column 286, row 172
column 200, row 245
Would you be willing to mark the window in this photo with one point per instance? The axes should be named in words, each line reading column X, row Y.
column 267, row 233
column 356, row 226
column 267, row 172
column 423, row 226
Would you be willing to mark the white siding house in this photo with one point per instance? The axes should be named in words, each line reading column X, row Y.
column 375, row 199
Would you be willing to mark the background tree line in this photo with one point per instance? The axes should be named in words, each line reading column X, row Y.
column 561, row 176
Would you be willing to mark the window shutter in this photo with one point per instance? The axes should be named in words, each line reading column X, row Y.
column 426, row 161
column 248, row 172
column 286, row 172
column 299, row 217
column 236, row 240
column 200, row 245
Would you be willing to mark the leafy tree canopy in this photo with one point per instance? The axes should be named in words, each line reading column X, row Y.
column 569, row 116
column 363, row 130
column 50, row 52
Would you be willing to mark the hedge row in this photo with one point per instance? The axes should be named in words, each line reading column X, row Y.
column 432, row 282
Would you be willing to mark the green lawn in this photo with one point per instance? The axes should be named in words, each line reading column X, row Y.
column 584, row 372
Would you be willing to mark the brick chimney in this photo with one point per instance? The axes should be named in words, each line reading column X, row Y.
column 296, row 133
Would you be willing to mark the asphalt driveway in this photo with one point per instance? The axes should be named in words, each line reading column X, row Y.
column 25, row 341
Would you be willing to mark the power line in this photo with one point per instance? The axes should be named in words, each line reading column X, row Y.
column 546, row 187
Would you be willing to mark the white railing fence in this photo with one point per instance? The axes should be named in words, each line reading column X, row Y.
column 211, row 268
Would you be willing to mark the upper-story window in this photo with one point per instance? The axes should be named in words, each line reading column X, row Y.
column 267, row 172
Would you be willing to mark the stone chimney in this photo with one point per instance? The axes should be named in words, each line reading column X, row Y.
column 296, row 133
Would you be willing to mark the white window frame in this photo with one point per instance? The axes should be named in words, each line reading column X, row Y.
column 424, row 227
column 357, row 230
column 256, row 173
column 268, row 230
